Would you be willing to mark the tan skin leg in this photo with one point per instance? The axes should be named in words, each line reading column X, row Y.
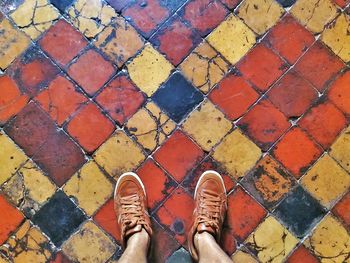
column 208, row 250
column 136, row 248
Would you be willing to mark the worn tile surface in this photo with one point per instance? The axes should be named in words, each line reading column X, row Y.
column 257, row 90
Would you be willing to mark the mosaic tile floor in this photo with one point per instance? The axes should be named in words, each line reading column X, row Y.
column 256, row 89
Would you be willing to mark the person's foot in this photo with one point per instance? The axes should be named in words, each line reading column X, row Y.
column 130, row 205
column 210, row 210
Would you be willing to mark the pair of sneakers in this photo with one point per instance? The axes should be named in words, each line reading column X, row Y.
column 130, row 203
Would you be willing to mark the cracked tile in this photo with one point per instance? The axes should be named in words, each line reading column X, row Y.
column 204, row 67
column 34, row 17
column 91, row 16
column 340, row 149
column 243, row 256
column 150, row 126
column 119, row 41
column 271, row 242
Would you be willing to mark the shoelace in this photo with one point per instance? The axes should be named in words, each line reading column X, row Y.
column 131, row 211
column 209, row 209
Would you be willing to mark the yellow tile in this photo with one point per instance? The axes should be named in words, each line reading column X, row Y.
column 271, row 241
column 260, row 15
column 240, row 256
column 326, row 181
column 207, row 125
column 330, row 241
column 89, row 187
column 314, row 14
column 12, row 43
column 149, row 69
column 119, row 41
column 3, row 259
column 11, row 158
column 237, row 154
column 28, row 245
column 337, row 37
column 150, row 126
column 29, row 188
column 119, row 155
column 232, row 38
column 204, row 67
column 84, row 14
column 34, row 17
column 341, row 148
column 89, row 244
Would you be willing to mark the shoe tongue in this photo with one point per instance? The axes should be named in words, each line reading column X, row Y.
column 133, row 230
column 203, row 228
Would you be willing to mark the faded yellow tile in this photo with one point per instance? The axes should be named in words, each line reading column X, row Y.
column 204, row 67
column 240, row 256
column 91, row 16
column 119, row 41
column 34, row 17
column 314, row 14
column 28, row 245
column 330, row 241
column 11, row 158
column 232, row 38
column 12, row 43
column 89, row 244
column 89, row 187
column 149, row 70
column 119, row 154
column 3, row 259
column 271, row 241
column 237, row 154
column 150, row 126
column 341, row 148
column 29, row 188
column 337, row 37
column 260, row 15
column 326, row 181
column 207, row 125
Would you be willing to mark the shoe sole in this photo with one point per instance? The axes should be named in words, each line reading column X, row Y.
column 204, row 174
column 133, row 175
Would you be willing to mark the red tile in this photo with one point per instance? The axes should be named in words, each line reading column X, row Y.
column 121, row 99
column 342, row 209
column 32, row 72
column 11, row 99
column 228, row 242
column 146, row 15
column 175, row 39
column 107, row 219
column 157, row 183
column 91, row 71
column 62, row 42
column 204, row 15
column 191, row 179
column 233, row 96
column 323, row 122
column 60, row 258
column 296, row 151
column 60, row 100
column 59, row 157
column 231, row 3
column 301, row 254
column 264, row 123
column 10, row 219
column 90, row 127
column 178, row 155
column 341, row 3
column 289, row 39
column 30, row 128
column 339, row 92
column 292, row 94
column 176, row 214
column 262, row 67
column 319, row 65
column 243, row 214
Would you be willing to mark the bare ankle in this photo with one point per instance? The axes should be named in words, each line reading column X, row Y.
column 140, row 239
column 202, row 240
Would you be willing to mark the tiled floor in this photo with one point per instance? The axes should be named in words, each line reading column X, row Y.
column 256, row 89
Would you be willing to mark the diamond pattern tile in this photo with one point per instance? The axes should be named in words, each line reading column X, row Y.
column 257, row 90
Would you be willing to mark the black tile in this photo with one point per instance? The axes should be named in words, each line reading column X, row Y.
column 59, row 218
column 286, row 3
column 120, row 4
column 300, row 212
column 180, row 256
column 177, row 97
column 62, row 5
